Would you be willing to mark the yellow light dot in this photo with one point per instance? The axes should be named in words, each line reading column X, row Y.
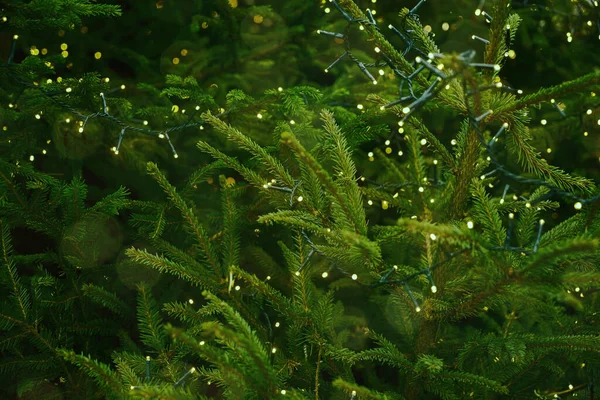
column 578, row 205
column 273, row 350
column 277, row 324
column 406, row 110
column 327, row 10
column 5, row 128
column 44, row 51
column 122, row 87
column 388, row 150
column 543, row 122
column 300, row 198
column 191, row 301
column 585, row 133
column 512, row 54
column 283, row 391
column 421, row 189
column 370, row 202
column 145, row 122
column 354, row 277
column 4, row 19
column 385, row 205
column 470, row 224
column 97, row 55
column 427, row 28
column 31, row 158
column 258, row 19
column 259, row 116
column 204, row 25
column 233, row 3
column 44, row 151
column 360, row 106
column 175, row 60
column 237, row 287
column 432, row 236
column 80, row 130
column 64, row 46
column 445, row 26
column 175, row 108
column 38, row 116
column 184, row 52
column 65, row 54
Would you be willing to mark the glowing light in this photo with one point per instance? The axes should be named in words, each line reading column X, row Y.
column 145, row 122
column 432, row 236
column 543, row 122
column 406, row 110
column 97, row 55
column 434, row 289
column 324, row 274
column 31, row 158
column 38, row 116
column 578, row 205
column 360, row 106
column 445, row 26
column 191, row 301
column 259, row 116
column 183, row 52
column 354, row 277
column 300, row 198
column 421, row 189
column 237, row 287
column 258, row 19
column 470, row 225
column 277, row 324
column 175, row 60
column 273, row 350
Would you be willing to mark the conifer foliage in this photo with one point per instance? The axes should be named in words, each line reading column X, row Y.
column 292, row 261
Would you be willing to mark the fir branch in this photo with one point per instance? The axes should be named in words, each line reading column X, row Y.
column 542, row 265
column 192, row 224
column 273, row 165
column 346, row 171
column 363, row 392
column 101, row 373
column 251, row 176
column 529, row 158
column 351, row 218
column 580, row 84
column 231, row 220
column 196, row 277
column 105, row 298
column 149, row 320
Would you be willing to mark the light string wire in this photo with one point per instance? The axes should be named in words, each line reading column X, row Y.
column 53, row 95
column 419, row 101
